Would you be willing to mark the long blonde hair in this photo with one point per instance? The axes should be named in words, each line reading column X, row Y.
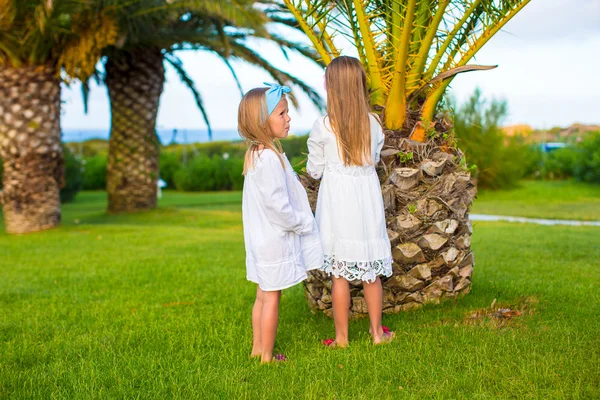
column 348, row 109
column 254, row 128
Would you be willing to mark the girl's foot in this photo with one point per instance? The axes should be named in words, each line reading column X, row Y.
column 333, row 343
column 277, row 358
column 387, row 336
column 255, row 352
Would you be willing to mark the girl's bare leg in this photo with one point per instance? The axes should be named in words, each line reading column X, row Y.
column 269, row 320
column 256, row 313
column 340, row 294
column 374, row 298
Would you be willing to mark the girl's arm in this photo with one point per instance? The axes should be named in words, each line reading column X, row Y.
column 316, row 152
column 380, row 139
column 380, row 142
column 270, row 179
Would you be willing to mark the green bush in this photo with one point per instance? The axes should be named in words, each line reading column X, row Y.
column 169, row 164
column 210, row 173
column 73, row 176
column 211, row 149
column 586, row 163
column 295, row 147
column 579, row 160
column 501, row 161
column 558, row 164
column 94, row 176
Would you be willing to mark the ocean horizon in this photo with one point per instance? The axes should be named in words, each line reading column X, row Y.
column 166, row 136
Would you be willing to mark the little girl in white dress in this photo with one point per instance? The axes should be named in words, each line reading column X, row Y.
column 280, row 233
column 344, row 147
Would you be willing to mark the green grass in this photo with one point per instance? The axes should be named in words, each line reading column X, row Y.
column 543, row 199
column 156, row 305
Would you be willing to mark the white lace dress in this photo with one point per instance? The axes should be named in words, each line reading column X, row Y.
column 350, row 211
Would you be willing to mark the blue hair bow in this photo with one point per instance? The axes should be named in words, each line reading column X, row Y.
column 274, row 94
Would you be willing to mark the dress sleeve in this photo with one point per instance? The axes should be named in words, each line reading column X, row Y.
column 316, row 152
column 380, row 141
column 272, row 187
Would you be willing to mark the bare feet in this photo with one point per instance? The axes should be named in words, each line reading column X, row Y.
column 255, row 354
column 276, row 359
column 334, row 343
column 385, row 336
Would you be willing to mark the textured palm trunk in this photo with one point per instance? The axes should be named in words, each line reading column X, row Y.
column 30, row 147
column 135, row 82
column 427, row 194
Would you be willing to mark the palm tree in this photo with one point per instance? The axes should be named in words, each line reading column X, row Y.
column 411, row 50
column 152, row 31
column 38, row 40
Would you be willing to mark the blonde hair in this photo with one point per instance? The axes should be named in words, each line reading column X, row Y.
column 254, row 128
column 348, row 109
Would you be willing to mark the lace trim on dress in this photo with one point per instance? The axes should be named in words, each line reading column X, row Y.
column 366, row 271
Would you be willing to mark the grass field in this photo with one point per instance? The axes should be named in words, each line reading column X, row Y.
column 156, row 305
column 543, row 199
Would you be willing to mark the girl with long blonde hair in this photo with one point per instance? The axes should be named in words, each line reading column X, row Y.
column 344, row 147
column 280, row 233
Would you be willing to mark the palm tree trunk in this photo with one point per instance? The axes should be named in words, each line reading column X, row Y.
column 30, row 147
column 135, row 82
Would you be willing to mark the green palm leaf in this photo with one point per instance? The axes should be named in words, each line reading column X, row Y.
column 404, row 44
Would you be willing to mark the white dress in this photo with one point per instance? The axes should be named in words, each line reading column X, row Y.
column 350, row 211
column 280, row 232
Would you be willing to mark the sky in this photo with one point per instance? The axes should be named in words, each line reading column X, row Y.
column 548, row 59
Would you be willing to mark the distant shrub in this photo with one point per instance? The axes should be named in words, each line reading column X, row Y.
column 579, row 160
column 94, row 176
column 501, row 160
column 295, row 147
column 586, row 166
column 557, row 164
column 73, row 176
column 210, row 173
column 169, row 163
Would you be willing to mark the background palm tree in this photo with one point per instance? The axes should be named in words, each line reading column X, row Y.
column 38, row 39
column 411, row 50
column 150, row 33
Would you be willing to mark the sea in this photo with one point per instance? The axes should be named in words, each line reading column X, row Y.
column 166, row 136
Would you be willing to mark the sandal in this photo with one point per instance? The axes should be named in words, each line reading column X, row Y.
column 388, row 335
column 332, row 343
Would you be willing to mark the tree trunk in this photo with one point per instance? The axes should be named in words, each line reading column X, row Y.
column 427, row 194
column 30, row 147
column 135, row 82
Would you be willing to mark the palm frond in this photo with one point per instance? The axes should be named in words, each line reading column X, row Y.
column 403, row 44
column 233, row 73
column 177, row 64
column 244, row 53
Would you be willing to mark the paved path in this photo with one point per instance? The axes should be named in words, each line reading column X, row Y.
column 485, row 217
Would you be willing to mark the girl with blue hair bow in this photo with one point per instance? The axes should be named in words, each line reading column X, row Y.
column 280, row 233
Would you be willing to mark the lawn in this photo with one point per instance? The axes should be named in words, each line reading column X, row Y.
column 543, row 199
column 156, row 305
